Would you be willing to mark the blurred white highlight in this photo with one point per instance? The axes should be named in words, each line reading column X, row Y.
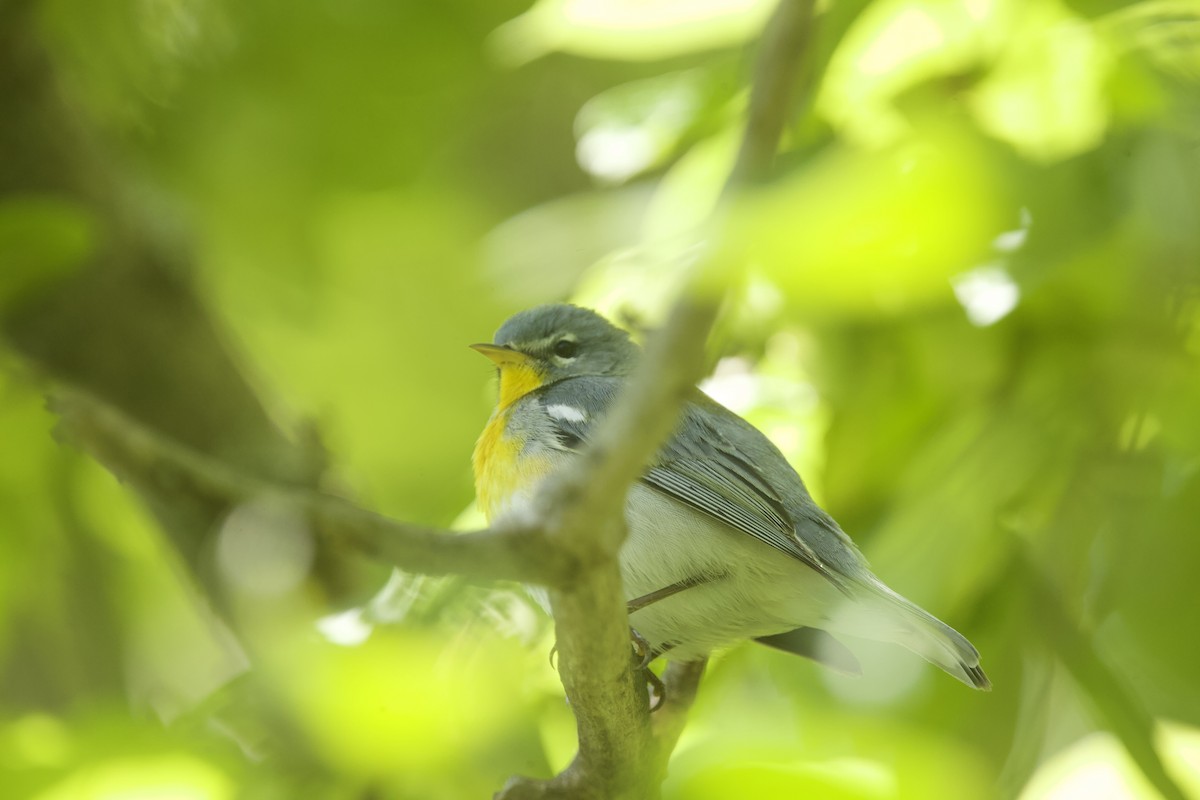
column 1011, row 241
column 733, row 385
column 912, row 32
column 987, row 294
column 264, row 547
column 389, row 606
column 615, row 153
column 889, row 673
column 347, row 628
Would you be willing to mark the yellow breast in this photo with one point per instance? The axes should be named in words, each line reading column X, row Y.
column 501, row 468
column 495, row 462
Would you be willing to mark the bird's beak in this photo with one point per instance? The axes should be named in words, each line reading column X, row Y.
column 500, row 354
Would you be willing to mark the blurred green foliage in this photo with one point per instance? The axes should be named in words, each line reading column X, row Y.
column 967, row 308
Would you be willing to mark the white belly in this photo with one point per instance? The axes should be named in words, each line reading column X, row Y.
column 756, row 590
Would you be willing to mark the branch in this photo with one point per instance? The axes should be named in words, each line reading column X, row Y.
column 620, row 753
column 784, row 44
column 681, row 681
column 585, row 509
column 1117, row 706
column 158, row 466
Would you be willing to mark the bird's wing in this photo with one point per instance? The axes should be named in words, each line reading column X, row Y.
column 699, row 466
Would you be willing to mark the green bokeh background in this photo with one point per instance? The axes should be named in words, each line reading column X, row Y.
column 967, row 307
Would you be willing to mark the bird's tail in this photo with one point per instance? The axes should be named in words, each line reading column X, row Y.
column 896, row 619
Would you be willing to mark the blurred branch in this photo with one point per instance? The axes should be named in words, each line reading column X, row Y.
column 155, row 464
column 681, row 681
column 784, row 43
column 1118, row 707
column 166, row 365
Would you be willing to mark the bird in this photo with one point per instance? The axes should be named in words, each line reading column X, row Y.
column 725, row 543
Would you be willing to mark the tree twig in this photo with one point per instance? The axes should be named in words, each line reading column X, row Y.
column 784, row 44
column 681, row 681
column 158, row 465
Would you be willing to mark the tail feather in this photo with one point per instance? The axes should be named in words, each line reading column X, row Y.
column 942, row 646
column 978, row 679
column 817, row 645
column 905, row 623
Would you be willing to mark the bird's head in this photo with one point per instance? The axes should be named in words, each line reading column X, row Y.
column 548, row 343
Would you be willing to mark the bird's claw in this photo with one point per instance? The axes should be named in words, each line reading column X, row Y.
column 658, row 691
column 643, row 655
column 641, row 649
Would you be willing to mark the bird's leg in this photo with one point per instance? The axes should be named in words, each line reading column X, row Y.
column 642, row 650
column 641, row 647
column 643, row 655
column 666, row 591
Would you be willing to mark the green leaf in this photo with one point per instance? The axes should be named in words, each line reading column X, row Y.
column 1047, row 94
column 629, row 29
column 863, row 233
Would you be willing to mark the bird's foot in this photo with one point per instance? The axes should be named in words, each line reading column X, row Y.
column 643, row 654
column 642, row 651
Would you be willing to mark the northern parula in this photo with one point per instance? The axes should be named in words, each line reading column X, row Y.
column 725, row 543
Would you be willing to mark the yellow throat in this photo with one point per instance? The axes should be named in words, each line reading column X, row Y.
column 517, row 379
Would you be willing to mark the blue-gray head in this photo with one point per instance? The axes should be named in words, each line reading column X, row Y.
column 548, row 343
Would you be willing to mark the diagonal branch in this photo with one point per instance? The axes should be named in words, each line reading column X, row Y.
column 156, row 465
column 784, row 44
column 1116, row 705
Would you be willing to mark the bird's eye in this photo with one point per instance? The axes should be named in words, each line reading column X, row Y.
column 566, row 348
